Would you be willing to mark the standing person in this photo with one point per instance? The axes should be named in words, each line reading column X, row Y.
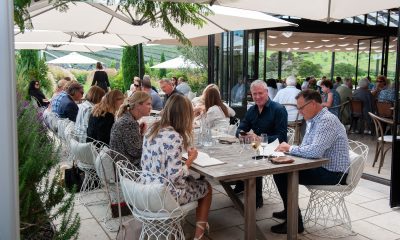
column 93, row 96
column 288, row 96
column 67, row 107
column 34, row 91
column 100, row 77
column 325, row 138
column 102, row 117
column 126, row 133
column 163, row 145
column 168, row 88
column 345, row 93
column 156, row 101
column 331, row 98
column 266, row 116
column 183, row 86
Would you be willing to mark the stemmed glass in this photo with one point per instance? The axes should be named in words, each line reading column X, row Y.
column 255, row 143
column 264, row 143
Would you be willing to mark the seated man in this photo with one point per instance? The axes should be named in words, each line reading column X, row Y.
column 156, row 102
column 325, row 138
column 68, row 107
column 266, row 116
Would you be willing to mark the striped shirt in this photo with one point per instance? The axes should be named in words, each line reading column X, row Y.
column 325, row 138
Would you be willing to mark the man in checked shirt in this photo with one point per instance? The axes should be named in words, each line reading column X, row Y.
column 325, row 138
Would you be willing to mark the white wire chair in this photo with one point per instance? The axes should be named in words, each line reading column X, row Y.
column 326, row 214
column 82, row 154
column 152, row 203
column 105, row 168
column 290, row 135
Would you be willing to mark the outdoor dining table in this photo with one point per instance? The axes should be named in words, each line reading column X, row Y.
column 240, row 166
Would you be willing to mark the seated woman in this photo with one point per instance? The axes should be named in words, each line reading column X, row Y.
column 215, row 109
column 330, row 98
column 102, row 117
column 135, row 86
column 162, row 154
column 93, row 96
column 34, row 91
column 199, row 102
column 127, row 133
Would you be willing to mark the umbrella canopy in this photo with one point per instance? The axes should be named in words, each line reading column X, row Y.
column 63, row 46
column 99, row 18
column 73, row 58
column 76, row 37
column 175, row 63
column 321, row 10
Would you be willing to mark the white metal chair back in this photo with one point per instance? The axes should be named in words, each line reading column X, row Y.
column 290, row 135
column 327, row 207
column 149, row 198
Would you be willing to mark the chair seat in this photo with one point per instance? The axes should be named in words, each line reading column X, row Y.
column 388, row 138
column 330, row 188
column 86, row 166
column 184, row 209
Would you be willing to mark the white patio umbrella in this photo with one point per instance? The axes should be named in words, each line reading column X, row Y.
column 73, row 58
column 101, row 18
column 175, row 63
column 321, row 10
column 76, row 37
column 64, row 46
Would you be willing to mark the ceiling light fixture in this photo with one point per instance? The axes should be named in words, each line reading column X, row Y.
column 287, row 34
column 330, row 45
column 342, row 38
column 349, row 48
column 283, row 43
column 325, row 40
column 337, row 49
column 320, row 46
column 307, row 47
column 272, row 36
column 296, row 42
column 272, row 44
column 310, row 41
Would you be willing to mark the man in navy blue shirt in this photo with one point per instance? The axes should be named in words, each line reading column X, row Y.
column 266, row 116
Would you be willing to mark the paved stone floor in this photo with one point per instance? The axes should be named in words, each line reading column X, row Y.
column 368, row 206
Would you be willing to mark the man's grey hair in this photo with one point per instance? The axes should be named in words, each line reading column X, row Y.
column 291, row 81
column 260, row 83
column 363, row 83
column 146, row 78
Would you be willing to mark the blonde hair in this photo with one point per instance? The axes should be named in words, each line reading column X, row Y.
column 107, row 103
column 177, row 113
column 138, row 97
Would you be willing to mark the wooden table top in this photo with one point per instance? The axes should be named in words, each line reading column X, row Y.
column 241, row 166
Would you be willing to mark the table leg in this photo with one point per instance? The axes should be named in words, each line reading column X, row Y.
column 248, row 209
column 292, row 205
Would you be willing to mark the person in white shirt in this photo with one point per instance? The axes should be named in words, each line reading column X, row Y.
column 217, row 113
column 288, row 95
column 183, row 86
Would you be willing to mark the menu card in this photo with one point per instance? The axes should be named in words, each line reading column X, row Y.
column 204, row 160
column 269, row 150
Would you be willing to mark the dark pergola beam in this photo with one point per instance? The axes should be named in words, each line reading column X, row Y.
column 340, row 28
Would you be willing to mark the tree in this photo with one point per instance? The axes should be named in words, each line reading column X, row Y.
column 308, row 68
column 130, row 64
column 345, row 70
column 163, row 71
column 199, row 55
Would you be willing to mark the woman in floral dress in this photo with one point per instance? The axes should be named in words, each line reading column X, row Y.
column 163, row 145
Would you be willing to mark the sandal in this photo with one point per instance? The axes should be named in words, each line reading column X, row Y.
column 206, row 228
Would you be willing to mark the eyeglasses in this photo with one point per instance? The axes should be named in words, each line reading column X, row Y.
column 136, row 85
column 36, row 84
column 302, row 107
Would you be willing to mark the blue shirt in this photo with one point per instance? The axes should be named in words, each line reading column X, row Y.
column 68, row 108
column 55, row 103
column 272, row 120
column 156, row 101
column 325, row 138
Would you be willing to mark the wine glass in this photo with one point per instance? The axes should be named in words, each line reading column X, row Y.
column 264, row 143
column 255, row 143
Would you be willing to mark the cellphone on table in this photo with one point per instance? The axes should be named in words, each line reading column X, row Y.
column 258, row 157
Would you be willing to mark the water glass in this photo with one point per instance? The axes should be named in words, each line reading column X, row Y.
column 263, row 143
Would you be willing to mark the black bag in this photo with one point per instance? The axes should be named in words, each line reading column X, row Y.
column 73, row 177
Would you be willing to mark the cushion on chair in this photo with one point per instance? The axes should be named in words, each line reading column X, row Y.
column 104, row 165
column 152, row 197
column 82, row 152
column 356, row 168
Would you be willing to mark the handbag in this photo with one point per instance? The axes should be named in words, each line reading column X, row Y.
column 73, row 177
column 125, row 211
